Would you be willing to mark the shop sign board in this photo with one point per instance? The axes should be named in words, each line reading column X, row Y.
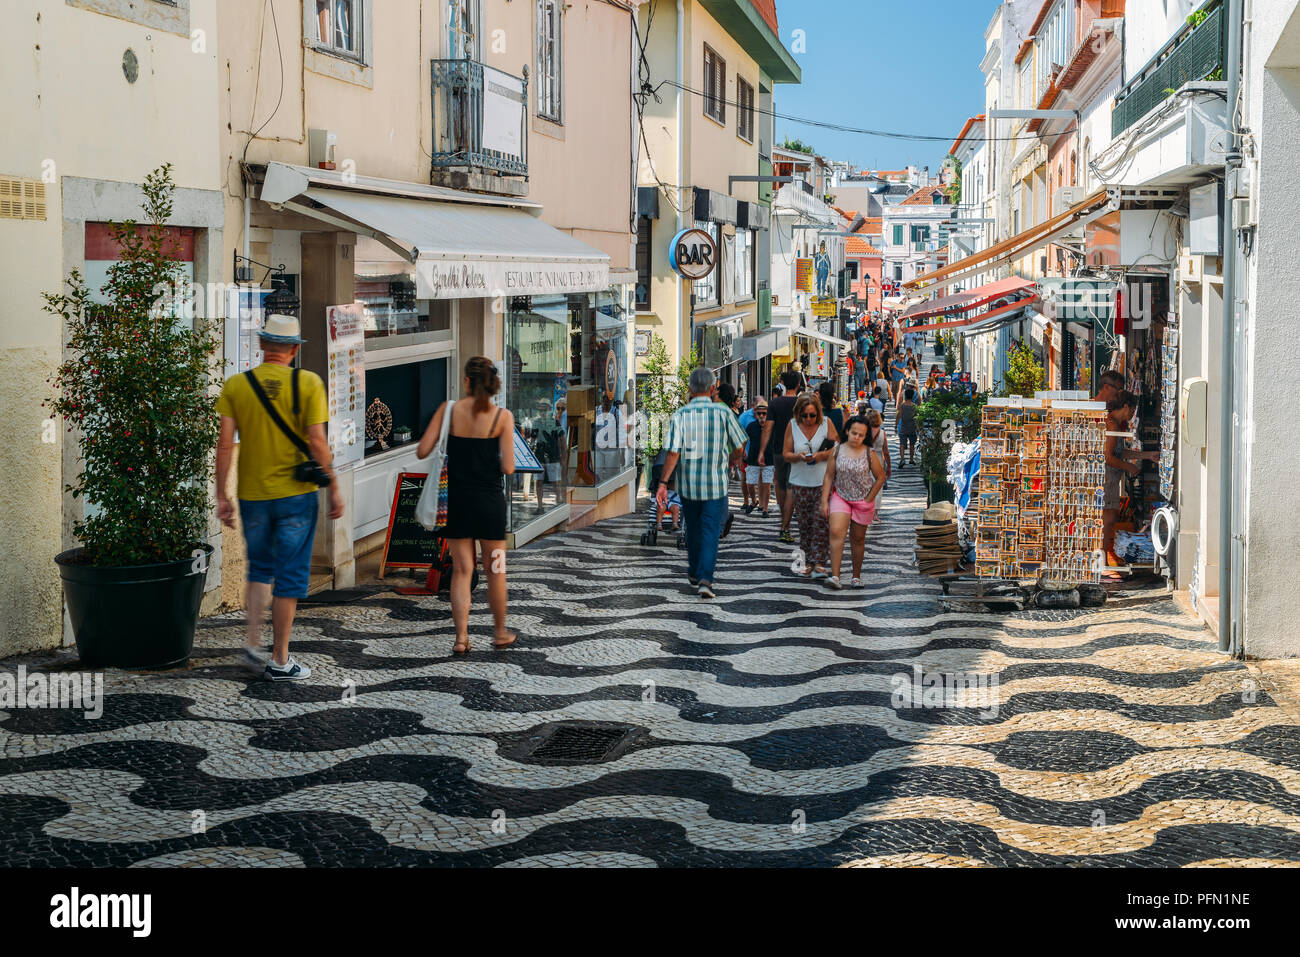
column 480, row 279
column 407, row 543
column 346, row 386
column 643, row 340
column 825, row 308
column 693, row 254
column 503, row 112
column 804, row 274
column 245, row 314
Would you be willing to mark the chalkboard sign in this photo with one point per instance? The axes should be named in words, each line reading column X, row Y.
column 408, row 544
column 525, row 460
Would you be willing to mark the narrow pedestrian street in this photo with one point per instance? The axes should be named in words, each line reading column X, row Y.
column 753, row 730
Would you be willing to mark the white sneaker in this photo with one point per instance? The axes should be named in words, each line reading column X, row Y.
column 291, row 670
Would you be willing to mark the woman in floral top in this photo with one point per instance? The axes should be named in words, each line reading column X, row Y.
column 854, row 477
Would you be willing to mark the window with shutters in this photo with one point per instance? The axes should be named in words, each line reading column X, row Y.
column 715, row 85
column 898, row 235
column 744, row 110
column 644, row 264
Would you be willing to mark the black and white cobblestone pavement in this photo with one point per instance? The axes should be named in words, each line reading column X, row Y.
column 763, row 731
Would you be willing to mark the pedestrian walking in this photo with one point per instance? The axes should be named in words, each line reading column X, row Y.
column 704, row 440
column 880, row 445
column 780, row 412
column 808, row 444
column 831, row 407
column 905, row 427
column 897, row 372
column 480, row 451
column 748, row 492
column 280, row 414
column 877, row 400
column 759, row 477
column 854, row 477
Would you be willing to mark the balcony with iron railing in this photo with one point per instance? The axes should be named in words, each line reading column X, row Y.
column 1195, row 52
column 480, row 120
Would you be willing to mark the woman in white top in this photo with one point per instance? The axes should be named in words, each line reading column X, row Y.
column 880, row 445
column 808, row 432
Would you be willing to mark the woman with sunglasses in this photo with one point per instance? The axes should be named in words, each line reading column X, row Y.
column 808, row 444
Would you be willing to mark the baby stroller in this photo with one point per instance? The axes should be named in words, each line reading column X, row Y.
column 651, row 535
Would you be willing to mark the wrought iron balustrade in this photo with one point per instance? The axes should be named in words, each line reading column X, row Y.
column 458, row 102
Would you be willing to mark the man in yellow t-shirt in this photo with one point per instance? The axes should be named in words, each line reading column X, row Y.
column 278, row 512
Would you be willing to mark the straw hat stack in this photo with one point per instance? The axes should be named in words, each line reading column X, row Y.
column 937, row 552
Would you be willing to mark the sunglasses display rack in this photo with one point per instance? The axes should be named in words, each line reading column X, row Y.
column 1040, row 490
column 1168, row 412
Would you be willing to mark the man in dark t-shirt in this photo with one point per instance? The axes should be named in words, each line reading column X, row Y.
column 758, row 476
column 779, row 413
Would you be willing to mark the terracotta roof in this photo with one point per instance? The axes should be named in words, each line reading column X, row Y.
column 923, row 197
column 860, row 247
column 964, row 130
column 767, row 10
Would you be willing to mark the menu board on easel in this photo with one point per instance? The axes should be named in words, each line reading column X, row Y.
column 347, row 382
column 407, row 543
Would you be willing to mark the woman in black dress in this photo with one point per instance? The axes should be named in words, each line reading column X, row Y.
column 480, row 451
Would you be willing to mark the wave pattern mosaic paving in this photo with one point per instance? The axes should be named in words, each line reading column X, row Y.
column 636, row 725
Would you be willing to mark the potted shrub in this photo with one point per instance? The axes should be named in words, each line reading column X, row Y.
column 402, row 434
column 137, row 388
column 942, row 420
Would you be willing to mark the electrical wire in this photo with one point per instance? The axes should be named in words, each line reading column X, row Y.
column 243, row 161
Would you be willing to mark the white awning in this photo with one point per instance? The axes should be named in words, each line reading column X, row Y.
column 463, row 251
column 464, row 246
column 818, row 334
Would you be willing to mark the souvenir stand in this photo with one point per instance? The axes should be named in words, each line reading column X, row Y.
column 1039, row 493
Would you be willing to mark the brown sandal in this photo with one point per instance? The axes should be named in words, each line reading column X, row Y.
column 460, row 647
column 498, row 643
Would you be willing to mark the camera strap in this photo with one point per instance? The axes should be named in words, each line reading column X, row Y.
column 293, row 436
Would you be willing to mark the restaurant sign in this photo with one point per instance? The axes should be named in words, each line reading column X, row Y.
column 477, row 279
column 693, row 254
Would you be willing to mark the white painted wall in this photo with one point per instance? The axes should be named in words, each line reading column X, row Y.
column 1148, row 25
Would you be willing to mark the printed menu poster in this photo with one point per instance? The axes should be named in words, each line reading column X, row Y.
column 347, row 382
column 246, row 307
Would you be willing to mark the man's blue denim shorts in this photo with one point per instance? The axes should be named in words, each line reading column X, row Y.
column 278, row 534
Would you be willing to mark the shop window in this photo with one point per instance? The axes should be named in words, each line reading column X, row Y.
column 409, row 394
column 852, row 266
column 550, row 58
column 536, row 382
column 715, row 85
column 729, row 292
column 644, row 263
column 385, row 286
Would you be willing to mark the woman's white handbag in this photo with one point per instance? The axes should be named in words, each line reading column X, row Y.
column 434, row 493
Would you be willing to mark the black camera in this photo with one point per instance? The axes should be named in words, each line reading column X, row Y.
column 312, row 471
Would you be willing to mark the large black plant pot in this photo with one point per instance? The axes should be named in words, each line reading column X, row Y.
column 138, row 617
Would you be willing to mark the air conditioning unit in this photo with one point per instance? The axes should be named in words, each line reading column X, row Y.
column 1067, row 196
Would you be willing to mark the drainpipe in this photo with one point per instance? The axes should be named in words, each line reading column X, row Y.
column 1227, row 406
column 681, row 161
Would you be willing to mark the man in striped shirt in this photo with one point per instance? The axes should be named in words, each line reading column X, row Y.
column 704, row 441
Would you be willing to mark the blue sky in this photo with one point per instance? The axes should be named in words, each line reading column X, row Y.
column 910, row 66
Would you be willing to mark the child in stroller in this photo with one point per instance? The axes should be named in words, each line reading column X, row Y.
column 673, row 511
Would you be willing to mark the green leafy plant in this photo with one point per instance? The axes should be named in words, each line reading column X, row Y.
column 798, row 146
column 1025, row 374
column 950, row 355
column 662, row 389
column 943, row 419
column 138, row 389
column 953, row 190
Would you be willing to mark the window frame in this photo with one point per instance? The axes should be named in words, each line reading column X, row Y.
column 549, row 96
column 644, row 249
column 714, row 279
column 360, row 14
column 715, row 85
column 743, row 265
column 744, row 109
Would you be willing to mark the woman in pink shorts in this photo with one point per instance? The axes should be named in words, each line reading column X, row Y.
column 854, row 477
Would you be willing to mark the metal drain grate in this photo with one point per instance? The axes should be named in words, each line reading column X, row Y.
column 582, row 744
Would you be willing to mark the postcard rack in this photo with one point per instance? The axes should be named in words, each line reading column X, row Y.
column 1040, row 490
